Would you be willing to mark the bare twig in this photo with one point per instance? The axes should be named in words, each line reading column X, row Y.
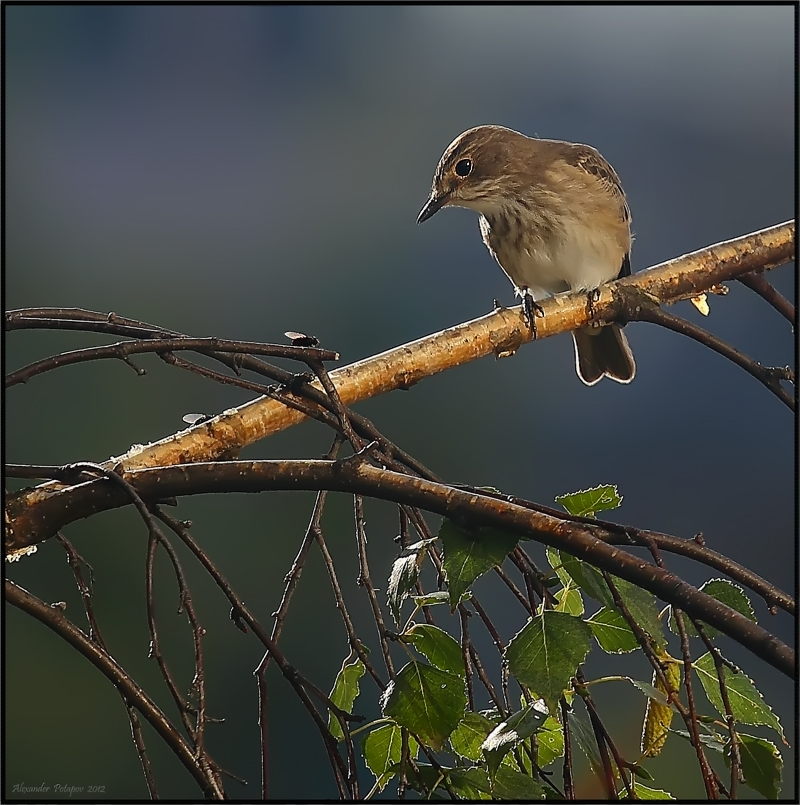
column 757, row 283
column 365, row 580
column 769, row 376
column 569, row 785
column 55, row 620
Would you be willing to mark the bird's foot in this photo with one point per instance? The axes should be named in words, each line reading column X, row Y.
column 530, row 310
column 592, row 297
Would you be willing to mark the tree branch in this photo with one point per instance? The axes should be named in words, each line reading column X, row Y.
column 501, row 332
column 55, row 620
column 757, row 283
column 354, row 475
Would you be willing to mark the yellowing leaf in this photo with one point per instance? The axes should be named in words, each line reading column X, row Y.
column 701, row 303
column 658, row 717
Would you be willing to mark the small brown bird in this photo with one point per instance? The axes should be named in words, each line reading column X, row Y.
column 554, row 216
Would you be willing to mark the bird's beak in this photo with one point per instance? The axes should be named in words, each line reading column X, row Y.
column 432, row 206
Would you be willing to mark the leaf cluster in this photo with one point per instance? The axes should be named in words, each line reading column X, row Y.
column 434, row 739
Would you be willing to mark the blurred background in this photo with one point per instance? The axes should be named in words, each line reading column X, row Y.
column 240, row 171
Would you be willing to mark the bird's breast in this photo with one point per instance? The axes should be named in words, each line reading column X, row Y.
column 550, row 256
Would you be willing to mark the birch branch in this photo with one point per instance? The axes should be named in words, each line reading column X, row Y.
column 501, row 332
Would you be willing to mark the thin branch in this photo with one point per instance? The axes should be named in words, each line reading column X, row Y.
column 123, row 349
column 757, row 283
column 466, row 643
column 76, row 562
column 292, row 391
column 719, row 666
column 353, row 639
column 687, row 676
column 365, row 580
column 644, row 641
column 769, row 376
column 599, row 737
column 55, row 620
column 293, row 576
column 241, row 614
column 569, row 785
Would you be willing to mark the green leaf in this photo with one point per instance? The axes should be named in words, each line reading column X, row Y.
column 468, row 736
column 761, row 765
column 747, row 704
column 440, row 648
column 427, row 701
column 583, row 736
column 554, row 557
column 546, row 652
column 651, row 691
column 425, row 779
column 643, row 608
column 641, row 772
column 570, row 601
column 726, row 592
column 382, row 749
column 472, row 783
column 612, row 632
column 506, row 735
column 709, row 740
column 345, row 690
column 588, row 578
column 404, row 575
column 643, row 792
column 515, row 786
column 511, row 761
column 590, row 501
column 467, row 556
column 551, row 742
column 640, row 603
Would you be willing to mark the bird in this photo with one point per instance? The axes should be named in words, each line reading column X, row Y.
column 554, row 215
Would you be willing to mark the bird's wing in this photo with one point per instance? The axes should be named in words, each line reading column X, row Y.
column 590, row 160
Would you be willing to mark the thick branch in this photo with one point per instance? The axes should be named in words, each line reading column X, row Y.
column 356, row 476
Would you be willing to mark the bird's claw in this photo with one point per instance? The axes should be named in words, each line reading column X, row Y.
column 530, row 310
column 592, row 297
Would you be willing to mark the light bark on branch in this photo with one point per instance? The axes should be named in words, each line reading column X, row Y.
column 500, row 332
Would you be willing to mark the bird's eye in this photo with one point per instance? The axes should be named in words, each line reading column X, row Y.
column 463, row 167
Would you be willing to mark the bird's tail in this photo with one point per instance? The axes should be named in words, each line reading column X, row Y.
column 603, row 351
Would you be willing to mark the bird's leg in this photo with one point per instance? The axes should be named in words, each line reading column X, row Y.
column 530, row 309
column 592, row 297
